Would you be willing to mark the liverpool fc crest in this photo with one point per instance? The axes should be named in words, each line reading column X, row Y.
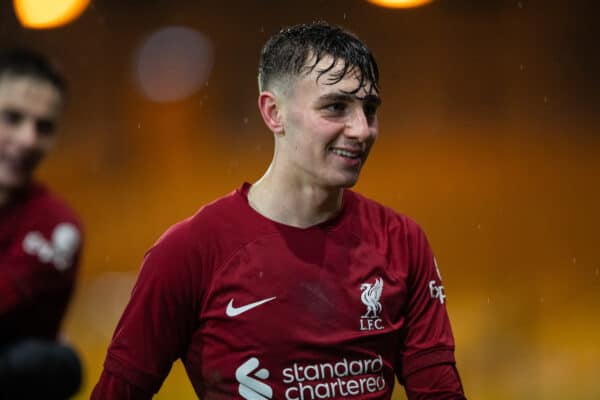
column 371, row 293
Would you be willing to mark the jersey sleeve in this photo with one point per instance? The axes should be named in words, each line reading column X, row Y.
column 114, row 387
column 158, row 322
column 427, row 337
column 38, row 272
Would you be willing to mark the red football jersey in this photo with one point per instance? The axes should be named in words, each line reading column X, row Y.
column 40, row 243
column 260, row 310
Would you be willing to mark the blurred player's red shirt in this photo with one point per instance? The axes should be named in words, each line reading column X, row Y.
column 263, row 310
column 40, row 242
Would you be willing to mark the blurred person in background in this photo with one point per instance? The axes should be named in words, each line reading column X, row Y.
column 294, row 287
column 40, row 236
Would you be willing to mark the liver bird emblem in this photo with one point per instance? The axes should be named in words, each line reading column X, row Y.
column 370, row 297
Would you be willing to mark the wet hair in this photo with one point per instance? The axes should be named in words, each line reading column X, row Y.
column 298, row 49
column 28, row 63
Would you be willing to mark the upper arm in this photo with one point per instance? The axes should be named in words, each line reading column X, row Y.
column 160, row 318
column 427, row 337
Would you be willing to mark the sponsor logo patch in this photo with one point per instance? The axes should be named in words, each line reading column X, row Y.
column 249, row 377
column 233, row 311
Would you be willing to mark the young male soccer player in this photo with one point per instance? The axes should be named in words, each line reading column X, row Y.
column 294, row 287
column 40, row 237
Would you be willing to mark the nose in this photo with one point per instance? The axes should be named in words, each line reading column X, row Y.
column 26, row 134
column 358, row 126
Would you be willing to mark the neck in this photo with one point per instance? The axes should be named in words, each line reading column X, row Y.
column 5, row 195
column 294, row 203
column 8, row 193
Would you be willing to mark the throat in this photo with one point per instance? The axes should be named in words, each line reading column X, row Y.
column 300, row 208
column 4, row 197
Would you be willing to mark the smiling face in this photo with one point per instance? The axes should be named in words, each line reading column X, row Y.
column 29, row 109
column 327, row 127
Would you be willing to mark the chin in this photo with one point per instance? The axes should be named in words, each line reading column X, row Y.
column 344, row 183
column 12, row 182
column 348, row 184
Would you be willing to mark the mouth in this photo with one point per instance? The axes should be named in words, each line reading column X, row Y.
column 19, row 165
column 347, row 153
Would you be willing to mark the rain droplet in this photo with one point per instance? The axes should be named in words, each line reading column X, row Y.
column 520, row 4
column 541, row 299
column 344, row 16
column 478, row 227
column 245, row 120
column 574, row 260
column 139, row 125
column 545, row 99
column 488, row 300
column 262, row 29
column 522, row 67
column 597, row 271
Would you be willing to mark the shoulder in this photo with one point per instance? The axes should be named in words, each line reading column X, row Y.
column 381, row 217
column 207, row 219
column 48, row 229
column 47, row 209
column 219, row 222
column 186, row 254
column 46, row 215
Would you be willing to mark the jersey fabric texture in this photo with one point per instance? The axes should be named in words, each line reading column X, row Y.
column 260, row 310
column 40, row 244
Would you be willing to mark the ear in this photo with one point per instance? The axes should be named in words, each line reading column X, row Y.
column 270, row 111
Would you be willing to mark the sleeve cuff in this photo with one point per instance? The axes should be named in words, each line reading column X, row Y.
column 147, row 382
column 425, row 359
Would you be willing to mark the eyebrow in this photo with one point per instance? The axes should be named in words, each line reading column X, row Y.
column 346, row 97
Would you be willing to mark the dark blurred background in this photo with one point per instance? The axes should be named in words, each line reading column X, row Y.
column 489, row 138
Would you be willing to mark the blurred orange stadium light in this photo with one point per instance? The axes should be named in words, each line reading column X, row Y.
column 400, row 3
column 44, row 14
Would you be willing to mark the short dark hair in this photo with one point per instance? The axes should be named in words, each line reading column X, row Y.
column 29, row 63
column 287, row 53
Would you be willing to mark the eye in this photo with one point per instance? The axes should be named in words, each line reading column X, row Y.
column 45, row 126
column 336, row 108
column 12, row 117
column 370, row 111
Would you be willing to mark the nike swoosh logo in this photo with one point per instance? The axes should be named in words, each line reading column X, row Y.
column 235, row 311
